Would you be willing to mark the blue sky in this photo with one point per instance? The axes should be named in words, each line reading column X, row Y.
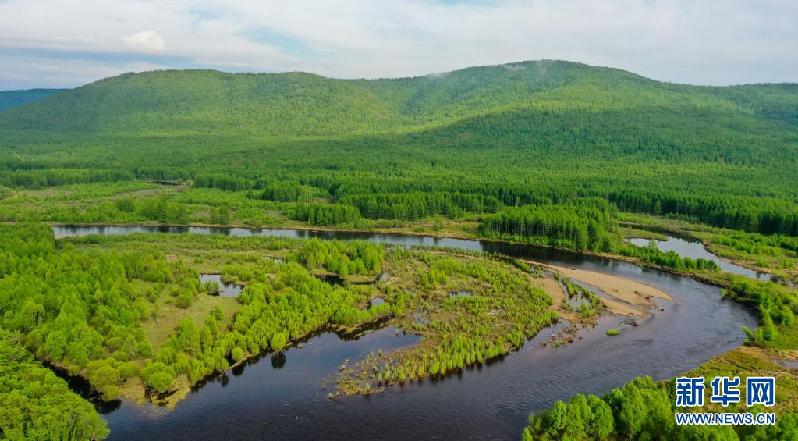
column 63, row 43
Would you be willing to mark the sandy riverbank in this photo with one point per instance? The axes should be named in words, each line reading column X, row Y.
column 622, row 296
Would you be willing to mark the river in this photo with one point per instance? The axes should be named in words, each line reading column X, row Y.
column 284, row 400
column 695, row 249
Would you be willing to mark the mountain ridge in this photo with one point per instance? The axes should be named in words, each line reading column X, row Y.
column 300, row 104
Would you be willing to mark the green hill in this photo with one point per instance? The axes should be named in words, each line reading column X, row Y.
column 538, row 130
column 291, row 104
column 14, row 98
column 299, row 105
column 304, row 105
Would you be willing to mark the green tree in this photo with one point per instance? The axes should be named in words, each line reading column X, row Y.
column 279, row 340
column 160, row 381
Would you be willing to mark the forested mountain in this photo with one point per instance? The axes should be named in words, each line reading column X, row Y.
column 514, row 134
column 291, row 104
column 300, row 105
column 14, row 98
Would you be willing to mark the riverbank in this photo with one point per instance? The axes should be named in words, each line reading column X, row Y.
column 621, row 295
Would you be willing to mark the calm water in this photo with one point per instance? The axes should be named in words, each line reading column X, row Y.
column 225, row 289
column 696, row 250
column 284, row 400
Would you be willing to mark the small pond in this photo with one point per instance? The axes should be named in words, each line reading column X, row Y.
column 332, row 279
column 224, row 289
column 461, row 293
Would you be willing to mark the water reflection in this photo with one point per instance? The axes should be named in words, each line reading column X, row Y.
column 218, row 287
column 278, row 360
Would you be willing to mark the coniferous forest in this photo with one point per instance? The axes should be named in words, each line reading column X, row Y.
column 471, row 141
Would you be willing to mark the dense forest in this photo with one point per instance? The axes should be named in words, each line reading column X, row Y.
column 471, row 141
column 583, row 224
column 35, row 404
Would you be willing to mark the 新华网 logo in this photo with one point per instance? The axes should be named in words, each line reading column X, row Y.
column 759, row 391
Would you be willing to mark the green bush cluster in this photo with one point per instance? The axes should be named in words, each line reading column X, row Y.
column 37, row 405
column 342, row 258
column 669, row 259
column 466, row 330
column 777, row 306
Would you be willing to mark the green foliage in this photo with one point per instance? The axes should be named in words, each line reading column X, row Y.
column 589, row 304
column 502, row 309
column 669, row 259
column 581, row 418
column 584, row 224
column 83, row 308
column 543, row 152
column 37, row 405
column 777, row 253
column 342, row 258
column 416, row 205
column 163, row 211
column 579, row 227
column 160, row 381
column 222, row 182
column 323, row 214
column 278, row 341
column 351, row 316
column 476, row 140
column 238, row 354
column 41, row 178
column 220, row 215
column 287, row 192
column 777, row 306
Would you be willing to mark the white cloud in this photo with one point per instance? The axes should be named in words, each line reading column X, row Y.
column 145, row 41
column 704, row 42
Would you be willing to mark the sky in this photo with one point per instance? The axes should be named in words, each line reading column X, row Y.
column 66, row 43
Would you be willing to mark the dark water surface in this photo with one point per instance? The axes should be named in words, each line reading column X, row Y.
column 287, row 402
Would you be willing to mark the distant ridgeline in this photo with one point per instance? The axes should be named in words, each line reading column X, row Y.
column 14, row 98
column 477, row 140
